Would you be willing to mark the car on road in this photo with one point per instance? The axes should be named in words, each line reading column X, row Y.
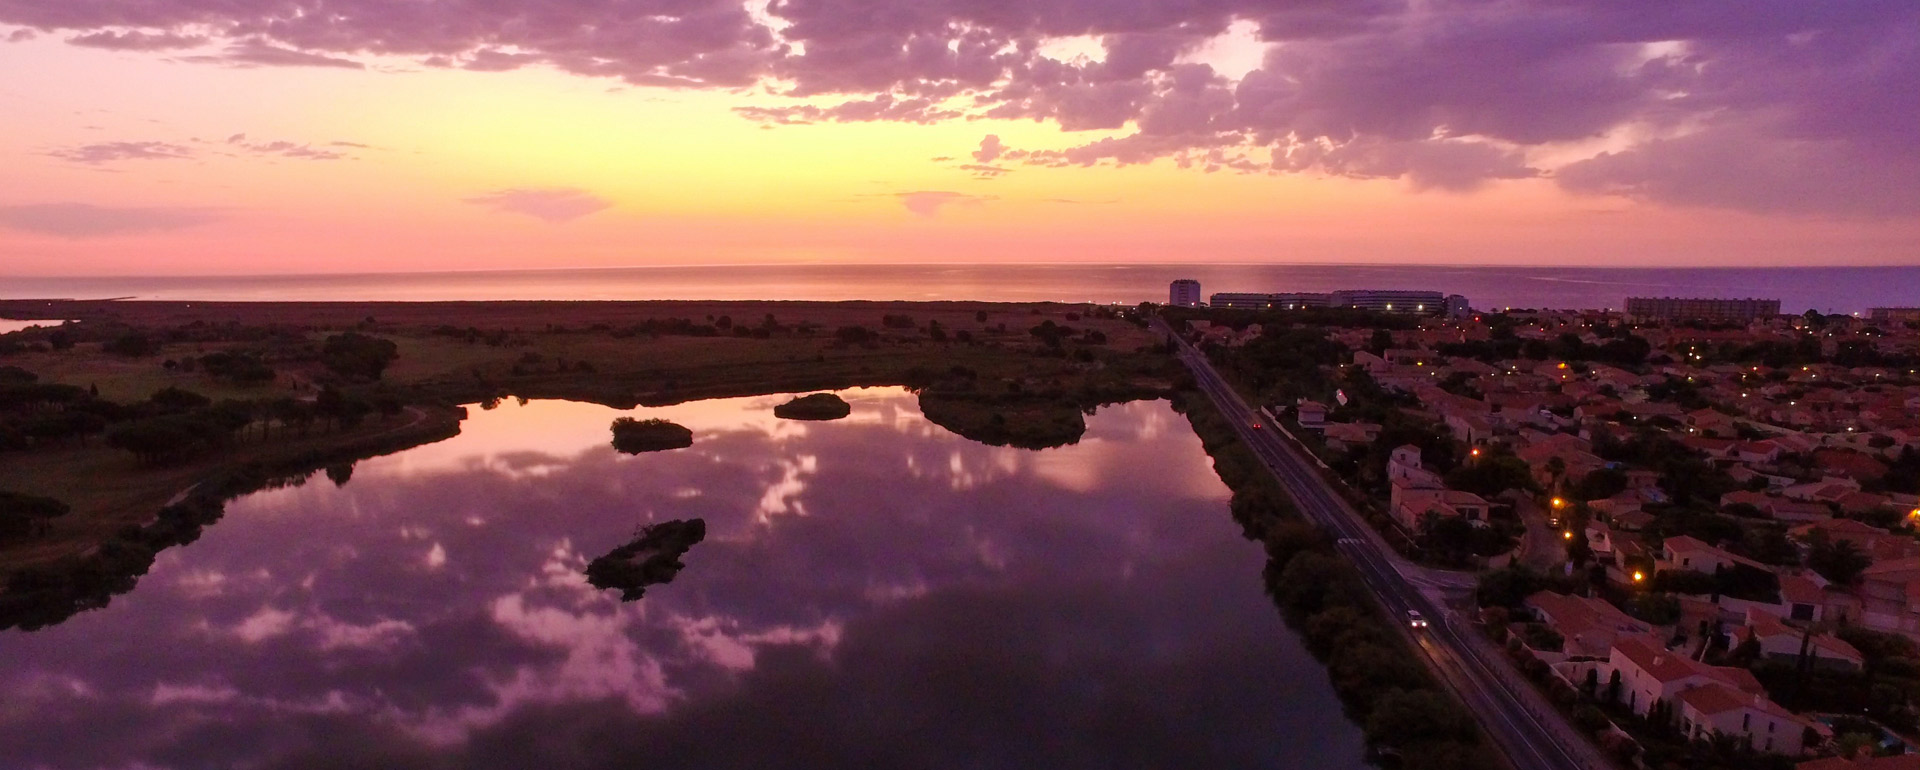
column 1415, row 619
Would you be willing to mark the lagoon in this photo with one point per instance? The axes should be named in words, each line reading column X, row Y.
column 872, row 592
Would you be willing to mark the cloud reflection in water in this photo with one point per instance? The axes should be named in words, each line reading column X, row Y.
column 873, row 592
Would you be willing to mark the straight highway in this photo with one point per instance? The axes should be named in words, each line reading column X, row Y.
column 1523, row 725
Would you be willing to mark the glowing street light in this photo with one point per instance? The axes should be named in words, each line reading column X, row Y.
column 1559, row 503
column 1638, row 576
column 1567, row 534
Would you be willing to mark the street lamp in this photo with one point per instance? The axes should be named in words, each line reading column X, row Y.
column 1559, row 503
column 1638, row 576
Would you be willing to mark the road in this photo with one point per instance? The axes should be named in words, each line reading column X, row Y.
column 1522, row 724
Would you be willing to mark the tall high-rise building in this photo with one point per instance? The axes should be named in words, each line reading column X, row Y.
column 1184, row 293
column 1701, row 309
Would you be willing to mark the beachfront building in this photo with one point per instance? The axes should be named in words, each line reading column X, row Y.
column 1184, row 293
column 1379, row 301
column 1390, row 301
column 1694, row 309
column 1268, row 300
column 1894, row 314
column 1458, row 307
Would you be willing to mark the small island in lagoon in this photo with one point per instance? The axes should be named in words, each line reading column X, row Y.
column 635, row 436
column 818, row 406
column 650, row 559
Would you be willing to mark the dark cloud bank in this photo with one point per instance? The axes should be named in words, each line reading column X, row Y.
column 1762, row 105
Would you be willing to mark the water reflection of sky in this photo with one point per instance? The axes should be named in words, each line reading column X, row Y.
column 873, row 592
column 9, row 325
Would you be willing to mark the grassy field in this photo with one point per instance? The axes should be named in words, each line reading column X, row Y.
column 109, row 489
column 992, row 374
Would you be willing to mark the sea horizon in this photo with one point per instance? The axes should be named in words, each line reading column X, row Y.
column 1829, row 289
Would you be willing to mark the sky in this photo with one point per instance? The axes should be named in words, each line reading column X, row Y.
column 149, row 137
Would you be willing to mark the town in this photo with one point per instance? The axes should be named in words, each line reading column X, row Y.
column 1692, row 520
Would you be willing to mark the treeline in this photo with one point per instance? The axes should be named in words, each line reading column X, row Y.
column 122, row 339
column 250, row 361
column 23, row 516
column 171, row 425
column 1345, row 318
column 1381, row 682
column 47, row 594
column 1628, row 351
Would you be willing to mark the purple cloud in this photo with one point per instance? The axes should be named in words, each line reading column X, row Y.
column 880, row 108
column 114, row 40
column 107, row 152
column 1447, row 94
column 984, row 170
column 259, row 53
column 557, row 205
column 293, row 150
column 928, row 203
column 990, row 149
column 81, row 220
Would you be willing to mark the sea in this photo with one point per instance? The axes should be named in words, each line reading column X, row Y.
column 1827, row 289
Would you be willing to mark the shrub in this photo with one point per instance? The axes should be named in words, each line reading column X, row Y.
column 635, row 436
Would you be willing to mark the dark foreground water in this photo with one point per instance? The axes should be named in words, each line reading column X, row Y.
column 873, row 593
column 1828, row 289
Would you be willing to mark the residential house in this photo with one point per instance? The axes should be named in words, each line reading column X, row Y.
column 1779, row 641
column 1863, row 762
column 1589, row 626
column 1685, row 552
column 1311, row 415
column 1650, row 673
column 1411, row 507
column 1716, row 709
column 1341, row 436
column 1890, row 597
column 1877, row 543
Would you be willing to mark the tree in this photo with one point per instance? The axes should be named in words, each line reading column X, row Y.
column 339, row 408
column 1509, row 587
column 173, row 399
column 1407, row 717
column 27, row 515
column 1839, row 561
column 1492, row 475
column 1051, row 333
column 854, row 335
column 358, row 356
column 131, row 344
column 1601, row 484
column 634, row 436
column 1380, row 342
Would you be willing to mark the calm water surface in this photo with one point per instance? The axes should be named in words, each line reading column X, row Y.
column 1828, row 289
column 873, row 592
column 8, row 326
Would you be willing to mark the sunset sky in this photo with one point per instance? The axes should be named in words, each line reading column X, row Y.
column 295, row 136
